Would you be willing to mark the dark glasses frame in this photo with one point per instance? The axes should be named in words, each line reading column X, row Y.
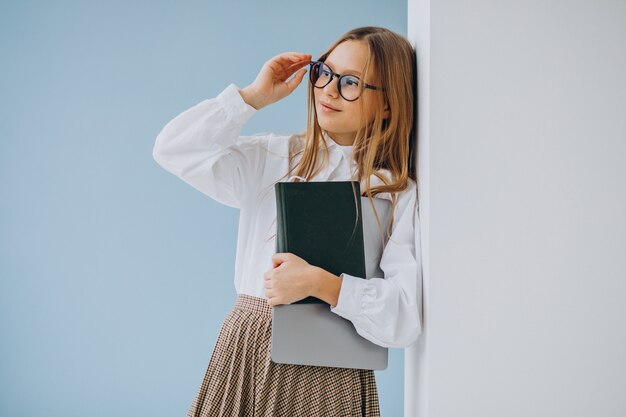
column 339, row 78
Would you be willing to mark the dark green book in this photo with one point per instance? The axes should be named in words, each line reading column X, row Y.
column 322, row 223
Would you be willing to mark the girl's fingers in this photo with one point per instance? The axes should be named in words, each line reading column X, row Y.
column 298, row 64
column 289, row 63
column 284, row 70
column 292, row 56
column 295, row 80
column 273, row 78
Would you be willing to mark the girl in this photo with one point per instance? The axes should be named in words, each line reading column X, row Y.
column 360, row 118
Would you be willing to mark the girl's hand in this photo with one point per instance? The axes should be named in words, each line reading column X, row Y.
column 289, row 280
column 271, row 83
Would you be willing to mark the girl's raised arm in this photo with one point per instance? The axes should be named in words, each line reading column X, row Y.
column 203, row 146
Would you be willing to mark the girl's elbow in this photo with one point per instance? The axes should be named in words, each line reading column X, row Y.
column 410, row 337
column 398, row 340
column 414, row 337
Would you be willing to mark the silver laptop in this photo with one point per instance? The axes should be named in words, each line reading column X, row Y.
column 310, row 334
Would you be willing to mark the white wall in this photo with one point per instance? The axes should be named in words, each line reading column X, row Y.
column 416, row 357
column 523, row 197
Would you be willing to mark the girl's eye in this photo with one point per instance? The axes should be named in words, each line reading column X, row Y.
column 352, row 81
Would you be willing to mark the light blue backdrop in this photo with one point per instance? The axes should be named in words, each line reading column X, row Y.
column 115, row 276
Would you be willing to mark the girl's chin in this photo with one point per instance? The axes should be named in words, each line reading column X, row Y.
column 327, row 124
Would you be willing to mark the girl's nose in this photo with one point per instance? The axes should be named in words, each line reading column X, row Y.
column 331, row 88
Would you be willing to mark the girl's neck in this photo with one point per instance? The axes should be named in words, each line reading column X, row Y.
column 342, row 140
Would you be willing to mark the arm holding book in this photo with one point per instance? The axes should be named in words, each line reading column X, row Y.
column 291, row 278
column 384, row 310
column 387, row 311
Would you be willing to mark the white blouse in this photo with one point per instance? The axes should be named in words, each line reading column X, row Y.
column 203, row 147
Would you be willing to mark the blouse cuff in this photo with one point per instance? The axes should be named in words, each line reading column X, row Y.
column 234, row 105
column 355, row 296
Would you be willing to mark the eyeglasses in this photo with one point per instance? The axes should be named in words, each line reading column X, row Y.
column 350, row 86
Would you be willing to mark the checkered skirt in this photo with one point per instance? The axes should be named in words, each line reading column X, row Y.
column 241, row 380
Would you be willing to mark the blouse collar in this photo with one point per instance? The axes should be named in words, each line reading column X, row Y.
column 331, row 143
column 335, row 157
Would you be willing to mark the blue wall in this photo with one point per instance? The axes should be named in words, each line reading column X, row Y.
column 115, row 276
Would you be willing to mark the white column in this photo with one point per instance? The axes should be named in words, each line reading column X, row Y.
column 522, row 164
column 415, row 357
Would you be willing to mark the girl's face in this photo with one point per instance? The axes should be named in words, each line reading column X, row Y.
column 349, row 57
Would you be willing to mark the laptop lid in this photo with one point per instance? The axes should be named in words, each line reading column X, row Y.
column 310, row 334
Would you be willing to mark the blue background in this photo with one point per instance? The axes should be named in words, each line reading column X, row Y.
column 115, row 276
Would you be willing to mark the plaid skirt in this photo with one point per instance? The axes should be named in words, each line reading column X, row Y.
column 242, row 380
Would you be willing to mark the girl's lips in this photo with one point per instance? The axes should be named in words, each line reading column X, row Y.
column 328, row 109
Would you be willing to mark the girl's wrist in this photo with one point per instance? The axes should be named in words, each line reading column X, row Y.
column 325, row 285
column 251, row 97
